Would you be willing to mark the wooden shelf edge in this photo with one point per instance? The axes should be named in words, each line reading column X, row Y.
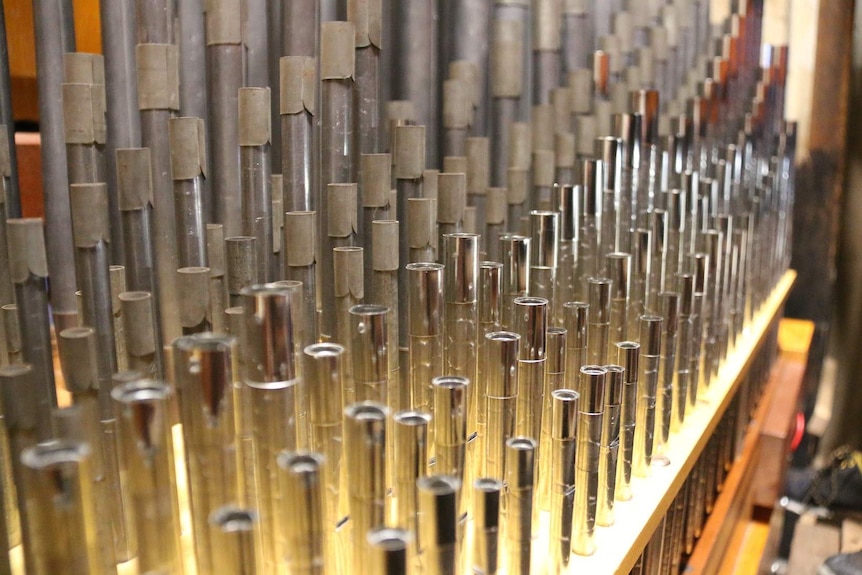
column 619, row 546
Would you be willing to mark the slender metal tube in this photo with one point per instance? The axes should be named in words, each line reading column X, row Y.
column 217, row 287
column 29, row 270
column 415, row 57
column 79, row 361
column 12, row 334
column 83, row 98
column 516, row 274
column 546, row 41
column 365, row 451
column 486, row 526
column 254, row 175
column 52, row 41
column 554, row 380
column 440, row 532
column 225, row 76
column 588, row 232
column 587, row 465
column 188, row 171
column 349, row 291
column 599, row 320
column 158, row 98
column 134, row 183
column 544, row 260
column 518, row 186
column 451, row 406
column 650, row 358
column 298, row 81
column 62, row 515
column 300, row 262
column 143, row 412
column 422, row 224
column 619, row 271
column 562, row 454
column 11, row 522
column 270, row 347
column 500, row 367
column 610, row 444
column 461, row 313
column 235, row 534
column 139, row 326
column 206, row 374
column 241, row 260
column 642, row 247
column 457, row 112
column 277, row 217
column 384, row 240
column 668, row 382
column 340, row 234
column 451, row 203
column 531, row 321
column 478, row 180
column 410, row 451
column 303, row 531
column 518, row 511
column 409, row 164
column 375, row 182
column 21, row 421
column 195, row 316
column 90, row 223
column 370, row 353
column 118, row 285
column 367, row 20
column 425, row 331
column 324, row 373
column 389, row 551
column 576, row 321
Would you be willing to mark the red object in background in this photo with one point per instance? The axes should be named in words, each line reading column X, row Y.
column 799, row 432
column 28, row 146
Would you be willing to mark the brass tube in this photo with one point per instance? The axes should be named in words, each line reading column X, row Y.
column 300, row 264
column 365, row 448
column 515, row 250
column 555, row 371
column 439, row 529
column 369, row 348
column 389, row 551
column 410, row 460
column 451, row 406
column 576, row 322
column 650, row 358
column 531, row 320
column 206, row 374
column 599, row 320
column 562, row 453
column 143, row 411
column 304, row 533
column 628, row 357
column 235, row 533
column 610, row 444
column 667, row 377
column 59, row 497
column 486, row 526
column 500, row 366
column 425, row 323
column 518, row 514
column 590, row 414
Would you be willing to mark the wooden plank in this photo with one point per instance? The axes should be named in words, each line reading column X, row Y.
column 776, row 433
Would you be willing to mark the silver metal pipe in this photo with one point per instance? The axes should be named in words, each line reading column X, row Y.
column 425, row 321
column 303, row 531
column 297, row 109
column 544, row 259
column 516, row 254
column 440, row 532
column 457, row 113
column 367, row 18
column 142, row 352
column 486, row 526
column 563, row 448
column 496, row 210
column 411, row 432
column 365, row 450
column 451, row 407
column 464, row 33
column 235, row 533
column 369, row 347
column 270, row 346
column 61, row 498
column 591, row 385
column 217, row 287
column 628, row 358
column 546, row 43
column 225, row 76
column 79, row 362
column 577, row 40
column 409, row 164
column 451, row 203
column 143, row 411
column 501, row 351
column 188, row 172
column 206, row 372
column 324, row 374
column 84, row 117
column 158, row 97
column 669, row 306
column 531, row 321
column 422, row 224
column 389, row 550
column 598, row 342
column 375, row 177
column 576, row 322
column 384, row 240
column 478, row 180
column 518, row 185
column 519, row 512
column 241, row 256
column 254, row 175
column 415, row 57
column 650, row 358
column 610, row 444
column 133, row 173
column 300, row 263
column 52, row 41
column 28, row 267
column 277, row 218
column 348, row 292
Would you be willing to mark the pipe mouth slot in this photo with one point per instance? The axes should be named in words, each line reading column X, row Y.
column 55, row 452
column 141, row 391
column 320, row 350
column 438, row 484
column 231, row 519
column 366, row 412
column 488, row 485
column 300, row 463
column 389, row 539
column 521, row 443
column 412, row 418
